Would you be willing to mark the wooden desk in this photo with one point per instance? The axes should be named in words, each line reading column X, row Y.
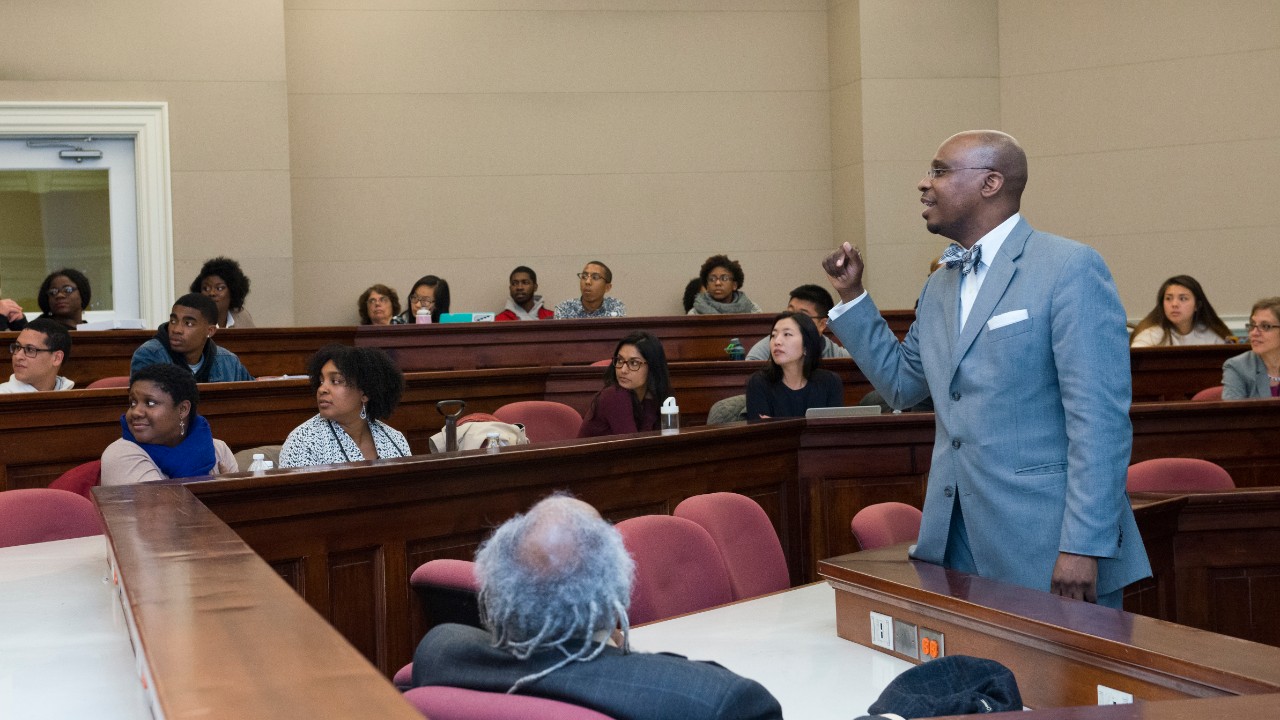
column 1058, row 649
column 64, row 648
column 787, row 642
column 219, row 634
column 1171, row 374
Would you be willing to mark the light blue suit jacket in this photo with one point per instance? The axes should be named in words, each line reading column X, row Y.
column 1032, row 407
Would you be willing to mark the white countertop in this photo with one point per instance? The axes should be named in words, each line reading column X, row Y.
column 64, row 644
column 787, row 642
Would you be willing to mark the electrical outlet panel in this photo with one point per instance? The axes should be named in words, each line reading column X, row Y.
column 1111, row 696
column 932, row 644
column 882, row 630
column 905, row 639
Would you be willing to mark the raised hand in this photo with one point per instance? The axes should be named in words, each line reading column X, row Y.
column 844, row 269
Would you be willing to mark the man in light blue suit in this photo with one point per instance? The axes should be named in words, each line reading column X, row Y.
column 1021, row 342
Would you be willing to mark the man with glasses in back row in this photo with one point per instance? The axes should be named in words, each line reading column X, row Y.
column 595, row 281
column 814, row 301
column 37, row 356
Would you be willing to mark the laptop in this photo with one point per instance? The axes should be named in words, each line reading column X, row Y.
column 842, row 412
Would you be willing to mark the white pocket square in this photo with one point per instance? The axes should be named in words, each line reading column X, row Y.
column 1008, row 318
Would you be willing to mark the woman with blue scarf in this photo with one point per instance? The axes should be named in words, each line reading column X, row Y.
column 163, row 437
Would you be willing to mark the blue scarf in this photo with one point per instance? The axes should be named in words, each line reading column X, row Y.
column 192, row 457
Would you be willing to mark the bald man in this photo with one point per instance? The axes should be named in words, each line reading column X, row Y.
column 1020, row 340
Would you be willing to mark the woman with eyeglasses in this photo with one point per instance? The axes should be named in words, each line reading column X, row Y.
column 222, row 281
column 1256, row 374
column 162, row 434
column 378, row 305
column 634, row 387
column 429, row 292
column 792, row 382
column 355, row 387
column 723, row 279
column 1182, row 316
column 64, row 296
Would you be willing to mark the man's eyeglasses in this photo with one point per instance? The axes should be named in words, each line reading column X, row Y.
column 719, row 278
column 28, row 350
column 593, row 277
column 67, row 290
column 1263, row 327
column 634, row 363
column 934, row 173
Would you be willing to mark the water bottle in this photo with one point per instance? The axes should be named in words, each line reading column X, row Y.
column 735, row 350
column 493, row 442
column 268, row 465
column 259, row 463
column 422, row 317
column 670, row 417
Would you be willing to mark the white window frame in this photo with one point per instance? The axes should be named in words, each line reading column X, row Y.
column 148, row 124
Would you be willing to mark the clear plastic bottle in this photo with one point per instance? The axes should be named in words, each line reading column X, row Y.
column 670, row 417
column 422, row 317
column 493, row 443
column 259, row 463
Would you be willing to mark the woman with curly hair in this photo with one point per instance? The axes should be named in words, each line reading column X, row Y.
column 355, row 389
column 722, row 279
column 1182, row 316
column 222, row 281
column 64, row 295
column 378, row 305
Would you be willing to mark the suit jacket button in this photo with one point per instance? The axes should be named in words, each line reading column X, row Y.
column 948, row 491
column 955, row 444
column 955, row 396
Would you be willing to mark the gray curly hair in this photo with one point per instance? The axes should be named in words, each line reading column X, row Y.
column 556, row 577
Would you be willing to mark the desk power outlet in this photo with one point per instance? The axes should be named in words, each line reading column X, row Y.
column 882, row 631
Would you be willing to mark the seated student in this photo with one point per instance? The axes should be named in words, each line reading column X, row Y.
column 814, row 301
column 355, row 388
column 162, row 434
column 1256, row 373
column 64, row 296
column 187, row 341
column 429, row 292
column 11, row 315
column 1182, row 316
column 722, row 279
column 634, row 387
column 525, row 302
column 37, row 356
column 222, row 280
column 595, row 281
column 378, row 305
column 555, row 585
column 792, row 382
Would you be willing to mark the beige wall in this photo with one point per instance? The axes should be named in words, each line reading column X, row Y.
column 649, row 134
column 220, row 66
column 329, row 144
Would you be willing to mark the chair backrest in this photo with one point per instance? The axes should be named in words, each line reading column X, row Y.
column 244, row 458
column 882, row 524
column 543, row 420
column 34, row 515
column 678, row 568
column 730, row 409
column 1177, row 475
column 439, row 702
column 448, row 590
column 1209, row 393
column 81, row 479
column 602, row 363
column 745, row 537
column 113, row 381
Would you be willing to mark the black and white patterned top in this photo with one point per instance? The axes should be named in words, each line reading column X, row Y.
column 320, row 442
column 572, row 308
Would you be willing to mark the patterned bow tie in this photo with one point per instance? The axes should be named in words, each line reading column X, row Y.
column 957, row 257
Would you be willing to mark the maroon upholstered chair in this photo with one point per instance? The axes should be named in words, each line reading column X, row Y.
column 543, row 420
column 678, row 568
column 81, row 479
column 602, row 363
column 1207, row 394
column 451, row 703
column 882, row 524
column 745, row 537
column 448, row 590
column 35, row 515
column 113, row 381
column 1177, row 475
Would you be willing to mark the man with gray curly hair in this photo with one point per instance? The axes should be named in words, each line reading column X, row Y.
column 555, row 584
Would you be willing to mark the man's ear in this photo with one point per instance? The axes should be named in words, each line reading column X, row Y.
column 992, row 185
column 57, row 356
column 213, row 328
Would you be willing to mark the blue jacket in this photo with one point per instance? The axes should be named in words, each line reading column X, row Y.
column 222, row 364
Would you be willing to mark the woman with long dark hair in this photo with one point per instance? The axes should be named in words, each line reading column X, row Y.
column 792, row 382
column 635, row 384
column 1182, row 316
